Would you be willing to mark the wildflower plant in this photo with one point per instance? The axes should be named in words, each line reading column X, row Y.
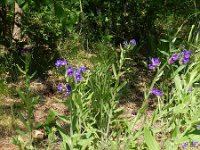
column 28, row 104
column 178, row 113
column 77, row 102
column 92, row 96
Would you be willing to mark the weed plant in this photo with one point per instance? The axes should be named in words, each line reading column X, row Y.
column 28, row 103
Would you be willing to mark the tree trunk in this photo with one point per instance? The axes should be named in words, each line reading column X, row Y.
column 16, row 34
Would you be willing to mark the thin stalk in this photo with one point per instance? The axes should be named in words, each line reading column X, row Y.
column 143, row 109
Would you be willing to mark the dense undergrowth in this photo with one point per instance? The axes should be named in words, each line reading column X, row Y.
column 92, row 96
column 95, row 64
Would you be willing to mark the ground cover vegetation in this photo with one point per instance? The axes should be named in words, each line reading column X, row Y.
column 107, row 75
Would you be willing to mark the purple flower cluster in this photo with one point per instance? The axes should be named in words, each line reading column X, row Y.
column 155, row 62
column 132, row 43
column 173, row 58
column 76, row 72
column 69, row 72
column 156, row 92
column 184, row 145
column 193, row 144
column 184, row 56
column 198, row 127
column 67, row 89
column 22, row 51
column 60, row 63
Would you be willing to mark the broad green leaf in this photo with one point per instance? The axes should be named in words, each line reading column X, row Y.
column 150, row 140
column 180, row 108
column 178, row 83
column 66, row 140
column 84, row 143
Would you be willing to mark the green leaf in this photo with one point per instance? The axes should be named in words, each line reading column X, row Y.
column 35, row 100
column 150, row 140
column 90, row 96
column 114, row 71
column 121, row 86
column 64, row 118
column 51, row 116
column 190, row 34
column 20, row 69
column 164, row 53
column 59, row 11
column 175, row 132
column 22, row 96
column 180, row 108
column 84, row 143
column 178, row 70
column 178, row 83
column 66, row 140
column 164, row 40
column 8, row 2
column 23, row 120
column 169, row 145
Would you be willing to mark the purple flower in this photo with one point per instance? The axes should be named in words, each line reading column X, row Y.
column 181, row 54
column 198, row 127
column 67, row 92
column 185, row 60
column 154, row 63
column 57, row 64
column 133, row 42
column 69, row 89
column 186, row 54
column 173, row 58
column 151, row 66
column 60, row 63
column 69, row 71
column 156, row 92
column 22, row 51
column 63, row 63
column 189, row 89
column 83, row 69
column 184, row 145
column 76, row 72
column 78, row 78
column 125, row 43
column 60, row 88
column 194, row 143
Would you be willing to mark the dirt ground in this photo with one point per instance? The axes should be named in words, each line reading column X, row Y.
column 49, row 94
column 47, row 90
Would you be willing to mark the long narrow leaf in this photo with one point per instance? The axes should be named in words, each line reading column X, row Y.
column 150, row 140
